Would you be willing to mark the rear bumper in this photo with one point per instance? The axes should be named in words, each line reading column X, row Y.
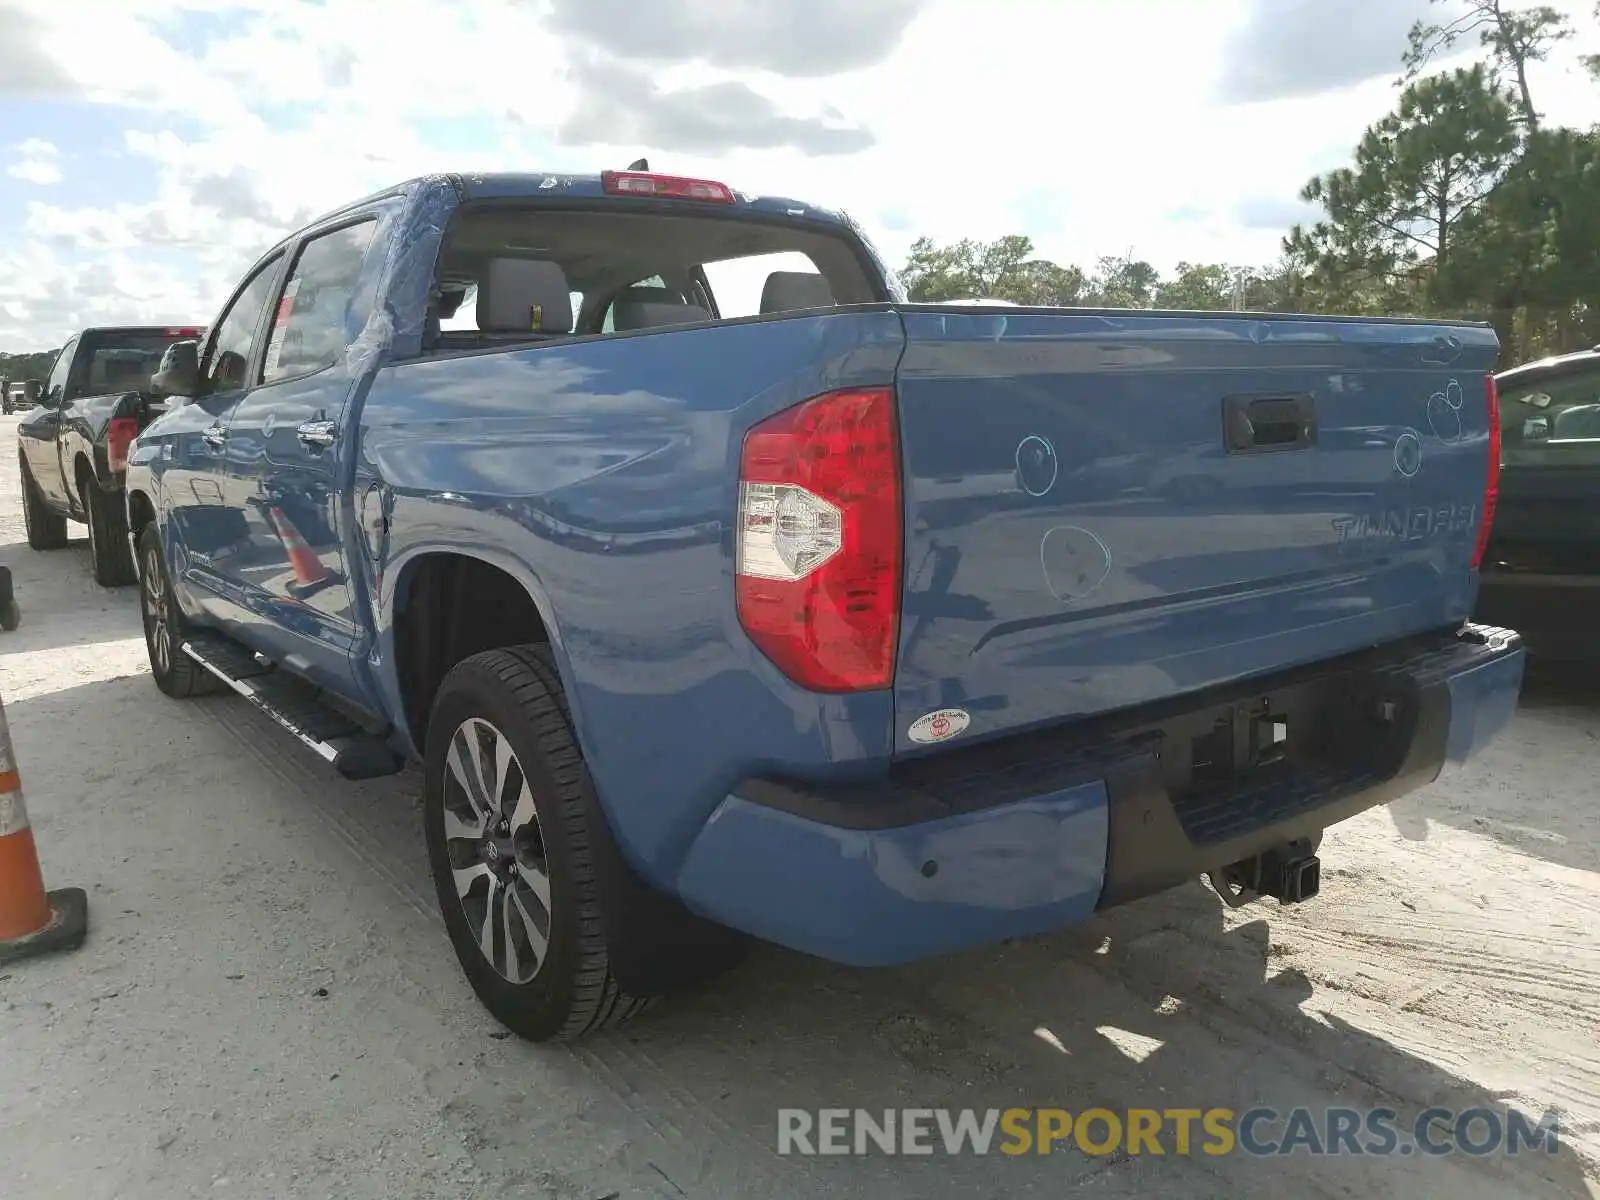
column 1555, row 614
column 1028, row 834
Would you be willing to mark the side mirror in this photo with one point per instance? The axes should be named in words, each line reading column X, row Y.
column 179, row 372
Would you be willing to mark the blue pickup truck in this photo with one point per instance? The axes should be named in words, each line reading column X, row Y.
column 724, row 594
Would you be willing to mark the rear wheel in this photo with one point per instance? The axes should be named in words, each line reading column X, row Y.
column 109, row 552
column 512, row 849
column 175, row 672
column 46, row 531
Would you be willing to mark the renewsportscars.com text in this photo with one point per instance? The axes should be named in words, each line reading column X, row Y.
column 1178, row 1131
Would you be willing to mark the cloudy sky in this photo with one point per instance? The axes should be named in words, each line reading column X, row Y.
column 152, row 149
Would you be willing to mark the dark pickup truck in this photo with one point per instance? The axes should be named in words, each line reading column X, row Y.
column 1542, row 567
column 73, row 446
column 719, row 588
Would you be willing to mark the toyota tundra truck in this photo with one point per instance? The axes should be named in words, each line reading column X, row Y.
column 722, row 594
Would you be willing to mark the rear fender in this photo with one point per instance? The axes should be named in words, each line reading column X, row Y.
column 655, row 944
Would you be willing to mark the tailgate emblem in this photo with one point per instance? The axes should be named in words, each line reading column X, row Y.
column 1408, row 454
column 939, row 726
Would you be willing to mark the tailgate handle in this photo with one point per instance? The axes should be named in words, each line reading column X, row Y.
column 1257, row 424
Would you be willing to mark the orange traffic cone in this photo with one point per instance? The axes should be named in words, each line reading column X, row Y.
column 309, row 573
column 32, row 921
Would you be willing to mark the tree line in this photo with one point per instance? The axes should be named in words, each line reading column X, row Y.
column 17, row 367
column 1461, row 202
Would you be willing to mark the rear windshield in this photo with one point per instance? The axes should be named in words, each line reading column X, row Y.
column 1552, row 420
column 521, row 274
column 120, row 360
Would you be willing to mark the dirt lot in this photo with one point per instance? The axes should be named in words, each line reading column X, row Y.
column 267, row 1006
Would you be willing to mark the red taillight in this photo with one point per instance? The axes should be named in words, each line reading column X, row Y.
column 1491, row 489
column 119, row 436
column 180, row 333
column 818, row 552
column 667, row 187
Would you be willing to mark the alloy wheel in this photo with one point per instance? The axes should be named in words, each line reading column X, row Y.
column 496, row 851
column 153, row 599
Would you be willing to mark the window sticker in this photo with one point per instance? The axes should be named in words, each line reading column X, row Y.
column 280, row 327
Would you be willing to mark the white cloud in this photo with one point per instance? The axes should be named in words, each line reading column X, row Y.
column 1096, row 128
column 36, row 162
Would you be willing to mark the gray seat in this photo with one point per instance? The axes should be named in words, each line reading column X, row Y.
column 519, row 300
column 786, row 291
column 524, row 296
column 653, row 308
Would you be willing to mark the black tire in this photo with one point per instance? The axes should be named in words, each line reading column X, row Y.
column 45, row 530
column 175, row 673
column 109, row 553
column 516, row 694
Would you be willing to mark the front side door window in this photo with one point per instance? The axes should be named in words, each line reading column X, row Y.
column 227, row 364
column 56, row 389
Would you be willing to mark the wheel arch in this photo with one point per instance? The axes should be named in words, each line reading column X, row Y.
column 447, row 603
column 83, row 473
column 141, row 512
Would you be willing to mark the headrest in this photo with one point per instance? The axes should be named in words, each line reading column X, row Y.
column 124, row 373
column 524, row 295
column 651, row 314
column 786, row 290
column 127, row 374
column 649, row 293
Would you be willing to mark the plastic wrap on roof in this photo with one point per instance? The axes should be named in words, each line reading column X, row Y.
column 396, row 324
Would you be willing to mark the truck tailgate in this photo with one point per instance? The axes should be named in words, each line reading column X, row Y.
column 1104, row 510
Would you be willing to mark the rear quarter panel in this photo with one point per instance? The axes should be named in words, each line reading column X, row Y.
column 603, row 475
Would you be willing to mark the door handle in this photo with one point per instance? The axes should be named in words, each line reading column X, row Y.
column 317, row 435
column 215, row 436
column 1254, row 424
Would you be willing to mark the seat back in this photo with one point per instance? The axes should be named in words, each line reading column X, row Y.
column 522, row 296
column 786, row 291
column 641, row 307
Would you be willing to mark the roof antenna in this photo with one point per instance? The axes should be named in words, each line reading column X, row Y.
column 639, row 164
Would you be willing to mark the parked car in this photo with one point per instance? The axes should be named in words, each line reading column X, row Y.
column 657, row 591
column 1542, row 569
column 73, row 446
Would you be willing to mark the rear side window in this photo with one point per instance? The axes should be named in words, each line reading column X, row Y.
column 120, row 360
column 319, row 304
column 1553, row 420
